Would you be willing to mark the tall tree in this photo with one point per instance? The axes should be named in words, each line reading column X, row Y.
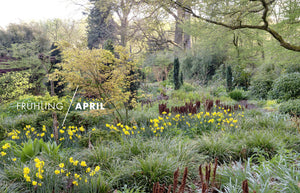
column 176, row 74
column 101, row 26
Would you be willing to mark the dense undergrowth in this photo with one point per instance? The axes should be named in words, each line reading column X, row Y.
column 96, row 154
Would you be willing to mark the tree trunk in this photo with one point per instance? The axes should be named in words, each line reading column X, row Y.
column 187, row 37
column 54, row 115
column 179, row 30
column 124, row 26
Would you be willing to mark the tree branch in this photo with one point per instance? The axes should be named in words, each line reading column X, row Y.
column 264, row 27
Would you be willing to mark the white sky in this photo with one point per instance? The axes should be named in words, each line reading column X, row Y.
column 16, row 11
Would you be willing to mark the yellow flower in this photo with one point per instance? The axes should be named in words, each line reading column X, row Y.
column 83, row 163
column 39, row 176
column 70, row 132
column 42, row 134
column 76, row 176
column 26, row 170
column 61, row 165
column 34, row 183
column 75, row 163
column 27, row 178
column 81, row 129
column 62, row 171
column 61, row 131
column 14, row 159
column 97, row 168
column 3, row 153
column 57, row 172
column 88, row 170
column 75, row 183
column 71, row 160
column 7, row 145
column 36, row 160
column 39, row 184
column 52, row 135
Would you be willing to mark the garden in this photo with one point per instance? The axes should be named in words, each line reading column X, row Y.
column 130, row 111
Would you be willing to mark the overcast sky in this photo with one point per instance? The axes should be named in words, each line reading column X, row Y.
column 15, row 11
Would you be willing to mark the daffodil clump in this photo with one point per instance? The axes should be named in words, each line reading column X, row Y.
column 67, row 135
column 75, row 171
column 5, row 147
column 125, row 129
column 189, row 124
column 6, row 153
column 35, row 176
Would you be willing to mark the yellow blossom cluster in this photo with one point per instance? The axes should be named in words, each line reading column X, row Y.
column 5, row 147
column 37, row 179
column 126, row 130
column 69, row 133
column 218, row 120
column 61, row 171
column 77, row 177
column 14, row 134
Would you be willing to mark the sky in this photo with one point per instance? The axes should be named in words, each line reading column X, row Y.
column 17, row 11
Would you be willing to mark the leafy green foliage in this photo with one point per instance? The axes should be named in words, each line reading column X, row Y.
column 108, row 45
column 281, row 167
column 2, row 133
column 202, row 64
column 13, row 85
column 286, row 87
column 59, row 85
column 22, row 34
column 261, row 87
column 29, row 149
column 32, row 148
column 238, row 94
column 219, row 147
column 98, row 136
column 242, row 77
column 101, row 26
column 154, row 168
column 292, row 107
